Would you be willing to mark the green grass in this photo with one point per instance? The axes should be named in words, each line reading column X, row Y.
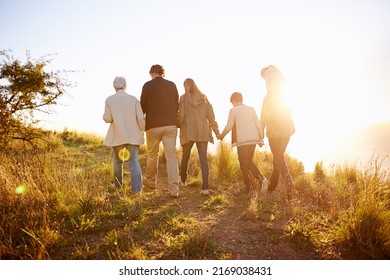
column 57, row 202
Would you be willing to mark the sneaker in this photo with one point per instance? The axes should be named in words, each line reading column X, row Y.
column 289, row 186
column 148, row 183
column 114, row 187
column 204, row 192
column 175, row 195
column 244, row 190
column 182, row 184
column 264, row 185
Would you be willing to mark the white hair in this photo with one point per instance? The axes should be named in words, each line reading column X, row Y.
column 119, row 83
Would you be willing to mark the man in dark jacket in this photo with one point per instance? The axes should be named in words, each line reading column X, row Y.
column 160, row 103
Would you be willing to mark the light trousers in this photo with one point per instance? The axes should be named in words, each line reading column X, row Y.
column 167, row 135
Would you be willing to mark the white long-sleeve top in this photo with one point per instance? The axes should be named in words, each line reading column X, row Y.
column 245, row 124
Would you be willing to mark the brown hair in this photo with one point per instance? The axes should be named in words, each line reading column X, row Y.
column 194, row 92
column 158, row 69
column 236, row 96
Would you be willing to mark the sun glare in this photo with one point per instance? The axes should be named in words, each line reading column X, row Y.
column 321, row 113
column 326, row 108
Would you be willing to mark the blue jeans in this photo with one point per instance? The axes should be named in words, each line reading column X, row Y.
column 135, row 169
column 202, row 152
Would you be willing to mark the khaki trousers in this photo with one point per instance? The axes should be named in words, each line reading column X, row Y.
column 167, row 135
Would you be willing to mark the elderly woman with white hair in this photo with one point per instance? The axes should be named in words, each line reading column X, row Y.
column 276, row 119
column 124, row 113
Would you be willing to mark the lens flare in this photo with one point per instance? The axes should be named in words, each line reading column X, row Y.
column 21, row 189
column 124, row 154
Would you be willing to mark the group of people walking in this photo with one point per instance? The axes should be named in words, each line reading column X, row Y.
column 160, row 113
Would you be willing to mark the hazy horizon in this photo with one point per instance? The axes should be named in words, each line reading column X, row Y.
column 334, row 54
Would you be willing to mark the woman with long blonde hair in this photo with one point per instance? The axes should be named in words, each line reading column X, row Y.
column 276, row 119
column 197, row 121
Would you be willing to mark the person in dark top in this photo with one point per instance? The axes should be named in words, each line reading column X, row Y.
column 160, row 104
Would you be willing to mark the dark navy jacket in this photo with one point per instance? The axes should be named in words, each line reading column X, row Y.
column 160, row 103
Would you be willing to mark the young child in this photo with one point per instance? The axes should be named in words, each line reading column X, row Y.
column 246, row 133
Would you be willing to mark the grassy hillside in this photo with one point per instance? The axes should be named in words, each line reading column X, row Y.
column 57, row 202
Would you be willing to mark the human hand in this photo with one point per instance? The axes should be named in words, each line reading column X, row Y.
column 261, row 144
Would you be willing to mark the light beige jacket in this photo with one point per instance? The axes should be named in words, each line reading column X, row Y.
column 126, row 118
column 245, row 126
column 276, row 117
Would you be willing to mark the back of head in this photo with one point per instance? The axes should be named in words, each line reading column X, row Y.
column 274, row 79
column 269, row 70
column 191, row 88
column 157, row 69
column 236, row 97
column 119, row 83
column 189, row 85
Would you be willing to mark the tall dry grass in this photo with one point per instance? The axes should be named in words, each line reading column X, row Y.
column 56, row 202
column 224, row 164
column 45, row 191
column 351, row 205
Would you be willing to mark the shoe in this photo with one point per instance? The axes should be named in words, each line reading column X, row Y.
column 113, row 186
column 182, row 184
column 147, row 183
column 289, row 186
column 137, row 194
column 272, row 186
column 204, row 192
column 244, row 190
column 264, row 185
column 175, row 195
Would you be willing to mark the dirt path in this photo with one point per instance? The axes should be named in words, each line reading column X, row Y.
column 254, row 226
column 235, row 230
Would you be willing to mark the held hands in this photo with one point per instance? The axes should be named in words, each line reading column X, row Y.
column 219, row 137
column 261, row 144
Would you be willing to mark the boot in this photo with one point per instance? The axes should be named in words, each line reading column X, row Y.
column 272, row 186
column 274, row 180
column 287, row 182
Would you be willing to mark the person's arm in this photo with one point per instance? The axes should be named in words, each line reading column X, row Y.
column 211, row 118
column 259, row 128
column 176, row 98
column 107, row 116
column 264, row 116
column 258, row 125
column 182, row 111
column 144, row 100
column 140, row 116
column 229, row 124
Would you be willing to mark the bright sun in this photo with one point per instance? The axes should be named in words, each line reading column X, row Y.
column 322, row 111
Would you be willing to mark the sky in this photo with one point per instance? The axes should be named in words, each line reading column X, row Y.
column 334, row 53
